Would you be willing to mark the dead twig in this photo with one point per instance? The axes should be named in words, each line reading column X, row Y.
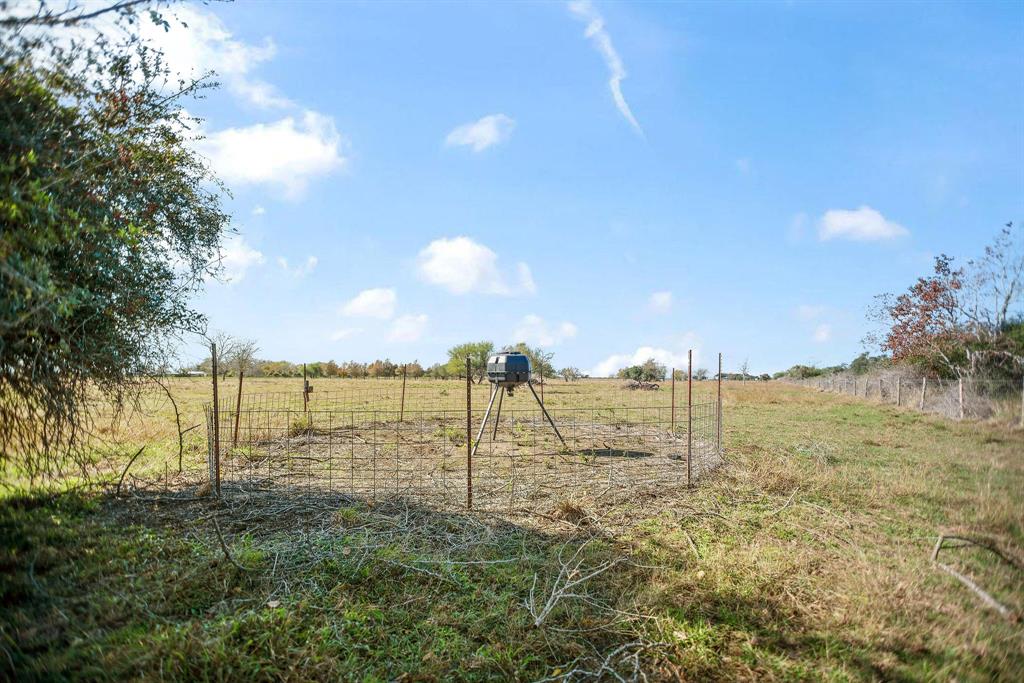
column 121, row 480
column 224, row 547
column 785, row 505
column 570, row 576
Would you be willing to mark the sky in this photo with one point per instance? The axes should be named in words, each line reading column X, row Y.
column 610, row 181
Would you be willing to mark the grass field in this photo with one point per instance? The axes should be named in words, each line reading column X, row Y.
column 806, row 557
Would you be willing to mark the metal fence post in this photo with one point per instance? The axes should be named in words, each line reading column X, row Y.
column 924, row 388
column 238, row 407
column 305, row 390
column 672, row 428
column 719, row 434
column 469, row 434
column 542, row 383
column 216, row 423
column 401, row 409
column 689, row 418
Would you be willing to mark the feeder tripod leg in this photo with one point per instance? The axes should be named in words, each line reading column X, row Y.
column 497, row 415
column 483, row 423
column 545, row 410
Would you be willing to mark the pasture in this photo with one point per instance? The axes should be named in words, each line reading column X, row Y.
column 806, row 556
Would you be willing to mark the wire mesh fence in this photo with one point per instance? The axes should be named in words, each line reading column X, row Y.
column 970, row 398
column 380, row 440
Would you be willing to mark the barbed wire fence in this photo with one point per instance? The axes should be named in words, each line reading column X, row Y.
column 424, row 441
column 964, row 398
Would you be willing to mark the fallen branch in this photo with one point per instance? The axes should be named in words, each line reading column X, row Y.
column 569, row 577
column 984, row 596
column 121, row 480
column 224, row 546
column 785, row 505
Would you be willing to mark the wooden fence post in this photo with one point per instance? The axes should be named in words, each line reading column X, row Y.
column 960, row 391
column 899, row 391
column 216, row 423
column 880, row 395
column 1022, row 403
column 924, row 389
column 469, row 434
column 689, row 418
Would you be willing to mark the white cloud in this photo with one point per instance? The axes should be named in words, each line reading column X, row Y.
column 670, row 359
column 237, row 257
column 301, row 270
column 822, row 333
column 862, row 225
column 660, row 302
column 526, row 282
column 286, row 154
column 408, row 328
column 602, row 41
column 532, row 329
column 258, row 210
column 483, row 133
column 461, row 266
column 372, row 303
column 197, row 43
column 809, row 311
column 345, row 333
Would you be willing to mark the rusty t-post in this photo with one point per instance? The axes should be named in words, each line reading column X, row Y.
column 238, row 407
column 689, row 418
column 401, row 408
column 216, row 423
column 469, row 434
column 672, row 427
column 305, row 390
column 719, row 435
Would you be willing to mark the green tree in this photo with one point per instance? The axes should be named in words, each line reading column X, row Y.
column 649, row 371
column 540, row 360
column 477, row 352
column 110, row 221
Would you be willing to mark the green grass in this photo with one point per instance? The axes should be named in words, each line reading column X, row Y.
column 806, row 558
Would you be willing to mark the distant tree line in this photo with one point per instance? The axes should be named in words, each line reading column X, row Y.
column 236, row 355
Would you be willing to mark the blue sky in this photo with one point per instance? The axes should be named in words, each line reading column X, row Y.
column 609, row 180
